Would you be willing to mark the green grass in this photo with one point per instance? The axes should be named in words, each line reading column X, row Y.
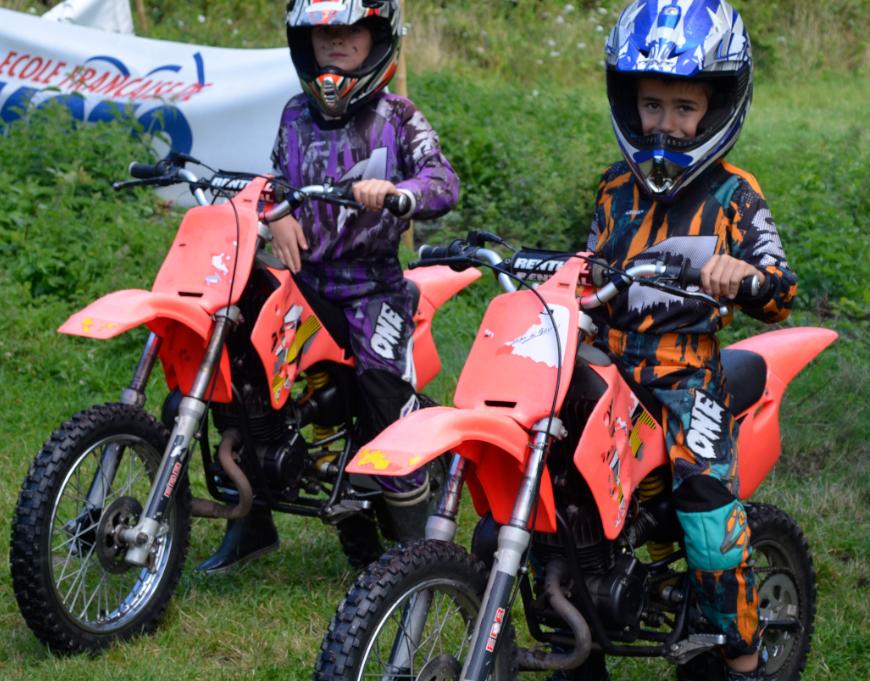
column 529, row 166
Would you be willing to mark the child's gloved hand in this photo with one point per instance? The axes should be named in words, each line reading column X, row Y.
column 288, row 240
column 371, row 193
column 721, row 275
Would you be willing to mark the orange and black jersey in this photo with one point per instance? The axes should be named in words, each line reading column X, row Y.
column 721, row 211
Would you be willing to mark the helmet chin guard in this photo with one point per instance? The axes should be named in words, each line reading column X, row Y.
column 334, row 91
column 697, row 40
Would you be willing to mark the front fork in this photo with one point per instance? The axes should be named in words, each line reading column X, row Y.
column 513, row 541
column 140, row 539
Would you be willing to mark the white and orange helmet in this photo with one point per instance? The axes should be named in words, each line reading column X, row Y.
column 333, row 91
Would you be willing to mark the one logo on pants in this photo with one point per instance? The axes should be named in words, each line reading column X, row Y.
column 705, row 431
column 388, row 332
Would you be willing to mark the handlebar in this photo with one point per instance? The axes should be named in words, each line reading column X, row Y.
column 171, row 170
column 610, row 282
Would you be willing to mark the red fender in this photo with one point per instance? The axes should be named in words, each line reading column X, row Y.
column 182, row 321
column 786, row 352
column 437, row 285
column 495, row 444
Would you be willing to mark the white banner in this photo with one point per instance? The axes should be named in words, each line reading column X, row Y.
column 220, row 105
column 107, row 15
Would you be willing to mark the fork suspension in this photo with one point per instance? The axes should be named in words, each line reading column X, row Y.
column 513, row 541
column 141, row 538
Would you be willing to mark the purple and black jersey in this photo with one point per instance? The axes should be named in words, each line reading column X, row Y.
column 352, row 257
column 387, row 139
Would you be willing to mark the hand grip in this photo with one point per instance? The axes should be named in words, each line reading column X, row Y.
column 144, row 171
column 397, row 204
column 435, row 252
column 749, row 288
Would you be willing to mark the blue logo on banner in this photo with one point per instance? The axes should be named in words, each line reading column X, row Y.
column 164, row 118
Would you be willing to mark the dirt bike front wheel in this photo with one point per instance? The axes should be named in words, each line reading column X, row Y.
column 411, row 616
column 91, row 477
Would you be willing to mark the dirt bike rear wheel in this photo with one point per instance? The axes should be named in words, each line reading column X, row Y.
column 362, row 635
column 72, row 585
column 786, row 587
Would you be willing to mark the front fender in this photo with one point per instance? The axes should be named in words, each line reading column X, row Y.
column 492, row 442
column 182, row 324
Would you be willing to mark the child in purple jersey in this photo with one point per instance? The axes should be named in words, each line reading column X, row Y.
column 344, row 128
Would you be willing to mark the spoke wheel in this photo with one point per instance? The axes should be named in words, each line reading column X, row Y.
column 410, row 617
column 786, row 589
column 73, row 586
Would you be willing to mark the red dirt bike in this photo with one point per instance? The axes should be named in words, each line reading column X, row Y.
column 102, row 523
column 564, row 459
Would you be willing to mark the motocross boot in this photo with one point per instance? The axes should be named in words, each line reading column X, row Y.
column 245, row 539
column 711, row 667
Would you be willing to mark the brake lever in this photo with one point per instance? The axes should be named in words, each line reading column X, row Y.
column 682, row 293
column 124, row 184
column 350, row 203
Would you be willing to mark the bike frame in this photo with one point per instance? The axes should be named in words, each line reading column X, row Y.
column 191, row 309
column 502, row 431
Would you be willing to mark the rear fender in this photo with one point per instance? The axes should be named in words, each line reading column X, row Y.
column 182, row 324
column 437, row 285
column 494, row 444
column 785, row 352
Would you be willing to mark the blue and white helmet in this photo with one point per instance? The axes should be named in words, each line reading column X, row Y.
column 701, row 40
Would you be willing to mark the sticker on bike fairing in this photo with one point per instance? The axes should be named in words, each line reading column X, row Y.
column 219, row 262
column 704, row 436
column 293, row 340
column 495, row 630
column 372, row 458
column 640, row 420
column 616, row 485
column 538, row 343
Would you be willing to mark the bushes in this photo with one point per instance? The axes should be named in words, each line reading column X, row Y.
column 529, row 159
column 64, row 232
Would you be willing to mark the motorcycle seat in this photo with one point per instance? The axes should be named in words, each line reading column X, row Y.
column 745, row 378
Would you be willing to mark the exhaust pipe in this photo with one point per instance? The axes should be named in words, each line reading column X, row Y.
column 206, row 508
column 538, row 660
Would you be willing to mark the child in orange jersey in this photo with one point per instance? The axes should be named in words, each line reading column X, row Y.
column 679, row 82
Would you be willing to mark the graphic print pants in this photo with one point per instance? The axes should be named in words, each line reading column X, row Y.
column 684, row 372
column 379, row 310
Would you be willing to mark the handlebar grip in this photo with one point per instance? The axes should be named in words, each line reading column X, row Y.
column 144, row 171
column 749, row 289
column 435, row 252
column 689, row 276
column 398, row 204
